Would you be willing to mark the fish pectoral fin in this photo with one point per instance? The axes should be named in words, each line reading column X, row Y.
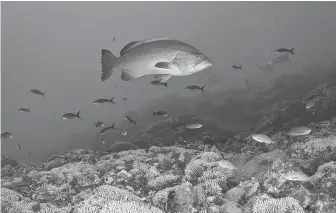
column 127, row 75
column 165, row 65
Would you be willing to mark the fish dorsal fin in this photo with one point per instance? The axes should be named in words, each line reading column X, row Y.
column 128, row 47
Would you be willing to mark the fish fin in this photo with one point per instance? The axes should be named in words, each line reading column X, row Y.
column 127, row 75
column 107, row 61
column 292, row 51
column 128, row 47
column 77, row 114
column 164, row 65
column 202, row 88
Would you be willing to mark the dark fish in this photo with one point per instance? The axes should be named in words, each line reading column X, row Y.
column 24, row 110
column 29, row 153
column 37, row 92
column 127, row 118
column 160, row 113
column 107, row 129
column 195, row 87
column 159, row 83
column 124, row 98
column 237, row 67
column 6, row 135
column 71, row 116
column 114, row 38
column 284, row 50
column 103, row 100
column 99, row 124
column 154, row 56
column 19, row 147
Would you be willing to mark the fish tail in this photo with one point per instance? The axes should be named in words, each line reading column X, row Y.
column 113, row 126
column 28, row 110
column 292, row 51
column 240, row 67
column 112, row 100
column 107, row 61
column 166, row 84
column 202, row 88
column 134, row 122
column 77, row 114
column 43, row 93
column 153, row 113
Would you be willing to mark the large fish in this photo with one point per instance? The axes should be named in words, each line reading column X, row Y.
column 107, row 129
column 156, row 56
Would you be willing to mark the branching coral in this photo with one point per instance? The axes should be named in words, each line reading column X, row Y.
column 265, row 204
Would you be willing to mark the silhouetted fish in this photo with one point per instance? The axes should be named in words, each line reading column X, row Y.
column 71, row 116
column 24, row 110
column 158, row 83
column 103, row 100
column 37, row 92
column 160, row 113
column 195, row 87
column 237, row 67
column 107, row 129
column 127, row 118
column 284, row 50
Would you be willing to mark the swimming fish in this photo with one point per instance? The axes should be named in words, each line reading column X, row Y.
column 99, row 124
column 124, row 98
column 296, row 176
column 37, row 92
column 160, row 55
column 237, row 67
column 226, row 164
column 18, row 146
column 6, row 135
column 124, row 133
column 114, row 38
column 195, row 87
column 298, row 131
column 103, row 100
column 312, row 102
column 24, row 110
column 262, row 138
column 107, row 129
column 158, row 83
column 127, row 118
column 194, row 126
column 71, row 116
column 102, row 139
column 162, row 78
column 160, row 113
column 284, row 50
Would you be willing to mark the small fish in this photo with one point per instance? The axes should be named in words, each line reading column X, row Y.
column 159, row 83
column 99, row 124
column 29, row 153
column 284, row 50
column 226, row 164
column 195, row 87
column 262, row 138
column 37, row 92
column 127, row 118
column 103, row 100
column 124, row 98
column 237, row 67
column 153, row 56
column 296, row 176
column 298, row 131
column 194, row 126
column 162, row 78
column 107, row 129
column 114, row 38
column 160, row 113
column 102, row 139
column 24, row 110
column 6, row 135
column 312, row 102
column 124, row 133
column 19, row 147
column 71, row 116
